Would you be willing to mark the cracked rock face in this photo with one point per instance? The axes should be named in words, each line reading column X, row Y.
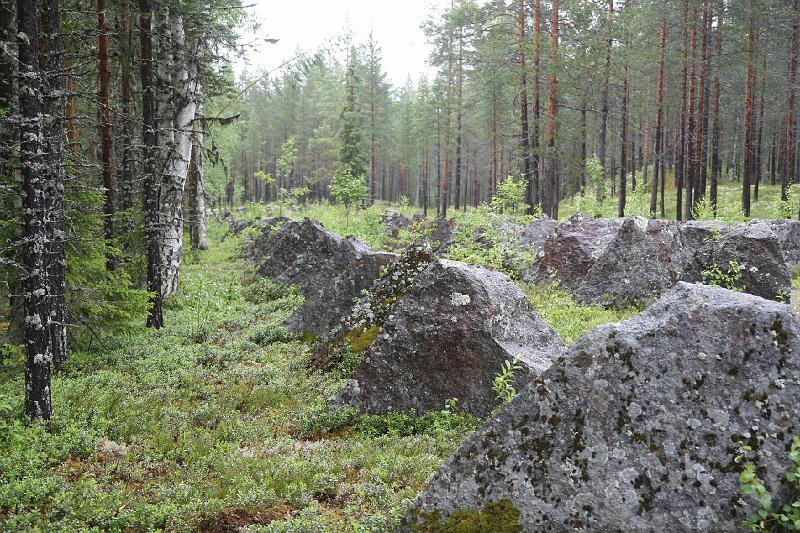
column 637, row 426
column 756, row 249
column 569, row 254
column 642, row 261
column 447, row 337
column 788, row 233
column 330, row 270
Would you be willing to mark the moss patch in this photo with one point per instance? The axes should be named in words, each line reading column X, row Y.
column 499, row 516
column 362, row 338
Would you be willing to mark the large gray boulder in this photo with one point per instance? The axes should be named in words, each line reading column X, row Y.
column 788, row 233
column 644, row 259
column 749, row 257
column 637, row 427
column 569, row 254
column 534, row 235
column 330, row 270
column 447, row 337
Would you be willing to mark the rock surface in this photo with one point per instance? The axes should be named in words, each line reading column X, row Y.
column 636, row 427
column 570, row 253
column 643, row 260
column 788, row 233
column 752, row 247
column 330, row 270
column 448, row 337
column 394, row 222
column 535, row 234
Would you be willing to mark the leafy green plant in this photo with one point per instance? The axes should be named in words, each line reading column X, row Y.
column 730, row 278
column 767, row 518
column 503, row 383
column 510, row 196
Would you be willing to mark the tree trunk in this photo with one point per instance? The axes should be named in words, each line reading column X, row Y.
column 786, row 177
column 699, row 159
column 623, row 159
column 604, row 103
column 126, row 179
column 106, row 136
column 757, row 163
column 692, row 122
column 523, row 105
column 184, row 100
column 150, row 148
column 38, row 342
column 749, row 112
column 716, row 163
column 681, row 164
column 659, row 117
column 52, row 108
column 552, row 195
column 459, row 118
column 536, row 160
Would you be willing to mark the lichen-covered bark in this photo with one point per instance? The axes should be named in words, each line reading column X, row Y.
column 197, row 189
column 33, row 166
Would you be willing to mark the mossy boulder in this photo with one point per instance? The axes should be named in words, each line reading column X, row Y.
column 330, row 270
column 638, row 426
column 446, row 338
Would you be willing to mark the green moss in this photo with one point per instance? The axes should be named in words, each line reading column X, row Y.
column 361, row 338
column 498, row 516
column 309, row 337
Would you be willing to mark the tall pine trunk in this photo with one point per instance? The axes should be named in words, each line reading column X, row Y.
column 551, row 192
column 749, row 112
column 150, row 149
column 787, row 177
column 106, row 136
column 716, row 162
column 523, row 105
column 33, row 166
column 659, row 117
column 537, row 112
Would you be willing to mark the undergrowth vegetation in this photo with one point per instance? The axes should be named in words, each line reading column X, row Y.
column 216, row 422
column 212, row 422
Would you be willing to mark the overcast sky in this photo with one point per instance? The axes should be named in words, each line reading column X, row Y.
column 307, row 24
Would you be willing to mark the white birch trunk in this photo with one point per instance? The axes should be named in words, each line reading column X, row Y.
column 176, row 168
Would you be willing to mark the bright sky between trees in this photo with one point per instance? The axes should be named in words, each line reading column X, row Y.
column 308, row 24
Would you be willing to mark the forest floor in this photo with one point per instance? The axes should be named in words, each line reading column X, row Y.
column 215, row 423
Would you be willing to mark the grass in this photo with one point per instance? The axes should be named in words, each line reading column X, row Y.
column 220, row 423
column 729, row 200
column 215, row 423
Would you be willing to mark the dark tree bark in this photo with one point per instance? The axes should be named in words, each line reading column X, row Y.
column 691, row 122
column 106, row 127
column 757, row 163
column 716, row 162
column 33, row 166
column 551, row 193
column 749, row 112
column 681, row 163
column 536, row 96
column 700, row 117
column 787, row 177
column 52, row 108
column 151, row 200
column 604, row 97
column 459, row 117
column 659, row 117
column 523, row 105
column 623, row 167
